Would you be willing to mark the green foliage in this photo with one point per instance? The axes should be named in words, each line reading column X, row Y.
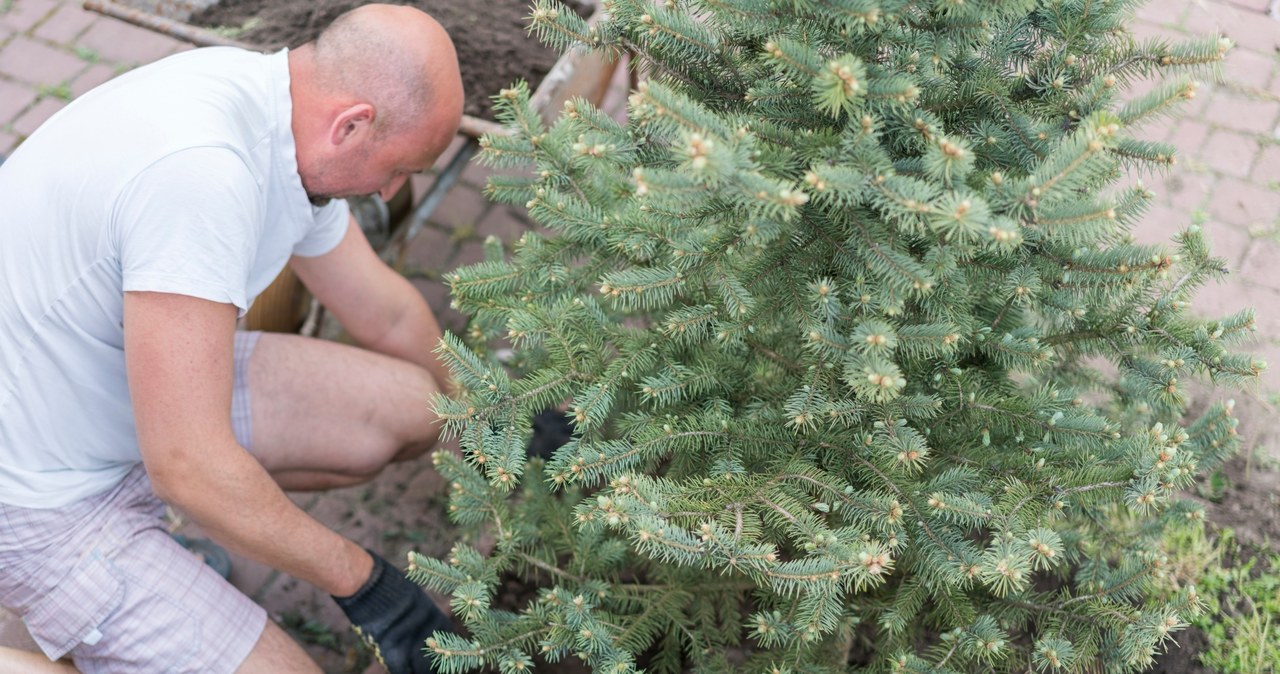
column 859, row 353
column 1241, row 585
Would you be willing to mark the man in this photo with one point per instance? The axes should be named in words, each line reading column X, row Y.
column 137, row 224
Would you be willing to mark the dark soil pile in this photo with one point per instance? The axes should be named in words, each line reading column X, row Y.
column 493, row 48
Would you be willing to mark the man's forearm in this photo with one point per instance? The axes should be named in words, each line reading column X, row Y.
column 413, row 335
column 240, row 506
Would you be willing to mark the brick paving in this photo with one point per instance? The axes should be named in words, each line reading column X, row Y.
column 1227, row 179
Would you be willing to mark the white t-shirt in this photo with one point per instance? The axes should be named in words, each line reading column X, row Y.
column 178, row 177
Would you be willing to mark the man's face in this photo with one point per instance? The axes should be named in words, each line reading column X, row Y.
column 379, row 164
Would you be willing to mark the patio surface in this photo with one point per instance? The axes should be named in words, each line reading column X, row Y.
column 1227, row 179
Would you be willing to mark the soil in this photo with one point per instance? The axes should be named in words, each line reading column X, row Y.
column 1249, row 505
column 493, row 49
column 1181, row 658
column 1250, row 502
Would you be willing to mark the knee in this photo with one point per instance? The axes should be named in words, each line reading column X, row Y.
column 414, row 450
column 418, row 429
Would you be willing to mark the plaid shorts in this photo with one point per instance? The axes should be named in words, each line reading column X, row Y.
column 101, row 579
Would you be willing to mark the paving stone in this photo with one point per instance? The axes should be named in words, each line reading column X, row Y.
column 37, row 114
column 119, row 42
column 505, row 223
column 1189, row 136
column 1160, row 224
column 66, row 23
column 1258, row 271
column 24, row 14
column 1230, row 152
column 1243, row 113
column 1230, row 242
column 1157, row 130
column 470, row 252
column 1268, row 167
column 32, row 61
column 1184, row 189
column 1269, row 380
column 1249, row 68
column 431, row 250
column 8, row 143
column 1235, row 294
column 461, row 207
column 1244, row 203
column 1248, row 28
column 14, row 98
column 1162, row 13
column 95, row 75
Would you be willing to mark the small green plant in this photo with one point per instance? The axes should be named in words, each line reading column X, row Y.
column 87, row 54
column 60, row 91
column 233, row 32
column 1241, row 585
column 1214, row 487
column 310, row 630
column 5, row 6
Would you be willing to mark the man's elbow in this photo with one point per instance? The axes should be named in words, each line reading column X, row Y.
column 175, row 479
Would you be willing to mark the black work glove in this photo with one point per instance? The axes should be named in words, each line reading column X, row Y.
column 395, row 618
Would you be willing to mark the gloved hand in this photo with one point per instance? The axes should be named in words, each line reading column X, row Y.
column 395, row 617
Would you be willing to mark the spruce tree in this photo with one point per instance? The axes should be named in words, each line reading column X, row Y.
column 863, row 366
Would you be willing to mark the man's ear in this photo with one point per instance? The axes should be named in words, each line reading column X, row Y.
column 352, row 123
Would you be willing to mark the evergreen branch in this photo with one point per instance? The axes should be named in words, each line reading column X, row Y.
column 1129, row 580
column 1070, row 168
column 1000, row 316
column 486, row 650
column 1092, row 487
column 516, row 401
column 776, row 357
column 1073, row 336
column 777, row 508
column 553, row 570
column 1017, row 130
column 1042, row 424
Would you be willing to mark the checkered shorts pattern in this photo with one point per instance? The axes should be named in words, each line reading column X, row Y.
column 102, row 580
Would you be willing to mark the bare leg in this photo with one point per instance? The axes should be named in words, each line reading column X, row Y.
column 277, row 653
column 329, row 415
column 14, row 661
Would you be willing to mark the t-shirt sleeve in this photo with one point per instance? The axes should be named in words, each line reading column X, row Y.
column 331, row 221
column 190, row 224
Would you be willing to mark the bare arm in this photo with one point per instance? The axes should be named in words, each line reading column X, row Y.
column 378, row 307
column 178, row 351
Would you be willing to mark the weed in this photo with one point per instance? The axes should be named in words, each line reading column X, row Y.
column 1214, row 486
column 61, row 91
column 310, row 630
column 87, row 54
column 1241, row 586
column 233, row 32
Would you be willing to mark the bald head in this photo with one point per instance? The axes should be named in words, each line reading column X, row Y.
column 376, row 97
column 398, row 59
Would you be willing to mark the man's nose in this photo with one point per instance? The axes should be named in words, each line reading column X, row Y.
column 390, row 189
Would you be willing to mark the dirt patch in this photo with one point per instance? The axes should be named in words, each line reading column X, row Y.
column 493, row 48
column 1245, row 494
column 1181, row 658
